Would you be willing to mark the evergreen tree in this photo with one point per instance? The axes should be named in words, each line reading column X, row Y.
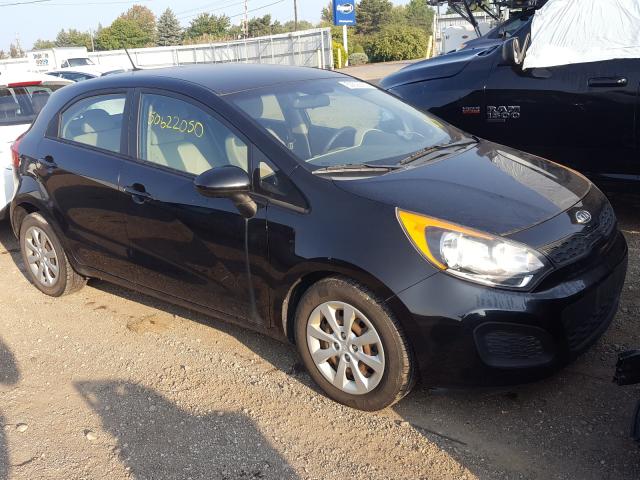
column 169, row 29
column 372, row 15
column 420, row 14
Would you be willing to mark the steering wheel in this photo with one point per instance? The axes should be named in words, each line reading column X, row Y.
column 335, row 136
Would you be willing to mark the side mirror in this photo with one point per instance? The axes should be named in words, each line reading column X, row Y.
column 228, row 181
column 511, row 52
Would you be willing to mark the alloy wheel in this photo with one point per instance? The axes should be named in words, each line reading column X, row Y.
column 41, row 257
column 345, row 347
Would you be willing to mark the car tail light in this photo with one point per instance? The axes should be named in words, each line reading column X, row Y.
column 33, row 83
column 14, row 152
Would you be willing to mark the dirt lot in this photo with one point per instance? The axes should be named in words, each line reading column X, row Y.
column 108, row 384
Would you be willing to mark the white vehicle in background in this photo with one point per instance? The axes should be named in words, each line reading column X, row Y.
column 54, row 58
column 65, row 58
column 79, row 74
column 22, row 96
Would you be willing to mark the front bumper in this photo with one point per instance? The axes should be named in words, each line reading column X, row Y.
column 466, row 334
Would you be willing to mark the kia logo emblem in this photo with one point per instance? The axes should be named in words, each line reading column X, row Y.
column 582, row 217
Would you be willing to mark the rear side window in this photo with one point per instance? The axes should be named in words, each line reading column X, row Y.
column 20, row 105
column 95, row 121
column 178, row 135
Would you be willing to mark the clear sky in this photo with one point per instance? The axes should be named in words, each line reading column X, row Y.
column 44, row 18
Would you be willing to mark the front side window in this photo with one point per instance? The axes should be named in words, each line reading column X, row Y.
column 178, row 135
column 95, row 121
column 341, row 121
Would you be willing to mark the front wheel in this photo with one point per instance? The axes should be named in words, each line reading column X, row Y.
column 44, row 258
column 352, row 345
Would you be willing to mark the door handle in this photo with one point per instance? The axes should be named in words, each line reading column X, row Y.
column 138, row 193
column 608, row 82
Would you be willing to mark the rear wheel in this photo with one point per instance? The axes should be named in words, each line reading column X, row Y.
column 352, row 345
column 44, row 258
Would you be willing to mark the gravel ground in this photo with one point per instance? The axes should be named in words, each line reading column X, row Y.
column 110, row 384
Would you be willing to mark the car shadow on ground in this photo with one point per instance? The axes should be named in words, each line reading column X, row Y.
column 157, row 439
column 9, row 376
column 9, row 246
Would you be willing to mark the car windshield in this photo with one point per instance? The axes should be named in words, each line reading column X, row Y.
column 342, row 122
column 22, row 104
column 79, row 62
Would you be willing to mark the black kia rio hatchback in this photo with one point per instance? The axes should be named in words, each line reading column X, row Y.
column 317, row 208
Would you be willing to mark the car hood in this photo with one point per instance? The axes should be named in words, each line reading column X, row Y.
column 442, row 66
column 489, row 187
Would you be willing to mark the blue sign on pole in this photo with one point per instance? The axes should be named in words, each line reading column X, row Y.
column 344, row 12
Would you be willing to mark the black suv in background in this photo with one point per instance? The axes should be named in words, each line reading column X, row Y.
column 580, row 115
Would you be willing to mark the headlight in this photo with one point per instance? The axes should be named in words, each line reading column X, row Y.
column 471, row 254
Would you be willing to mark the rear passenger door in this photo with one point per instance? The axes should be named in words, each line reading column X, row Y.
column 182, row 244
column 79, row 163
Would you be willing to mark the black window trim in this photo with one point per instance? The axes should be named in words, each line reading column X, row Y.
column 53, row 129
column 269, row 196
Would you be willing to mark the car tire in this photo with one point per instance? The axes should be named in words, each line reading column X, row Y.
column 45, row 260
column 368, row 366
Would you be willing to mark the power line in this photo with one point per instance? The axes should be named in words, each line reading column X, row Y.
column 200, row 10
column 53, row 3
column 257, row 8
column 28, row 2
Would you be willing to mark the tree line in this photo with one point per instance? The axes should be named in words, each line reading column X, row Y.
column 383, row 31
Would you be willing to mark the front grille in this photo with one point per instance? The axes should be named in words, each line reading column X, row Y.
column 587, row 319
column 581, row 329
column 581, row 244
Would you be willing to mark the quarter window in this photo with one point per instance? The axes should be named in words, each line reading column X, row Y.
column 95, row 121
column 181, row 136
column 270, row 180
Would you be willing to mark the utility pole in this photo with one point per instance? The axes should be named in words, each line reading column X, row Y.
column 18, row 47
column 246, row 20
column 295, row 14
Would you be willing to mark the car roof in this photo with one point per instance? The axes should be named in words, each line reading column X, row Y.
column 225, row 78
column 8, row 78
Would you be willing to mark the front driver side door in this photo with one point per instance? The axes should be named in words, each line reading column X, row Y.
column 580, row 115
column 182, row 244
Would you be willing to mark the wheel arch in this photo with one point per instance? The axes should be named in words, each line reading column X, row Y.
column 298, row 283
column 19, row 211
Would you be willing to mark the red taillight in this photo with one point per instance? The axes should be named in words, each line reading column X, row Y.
column 14, row 152
column 32, row 83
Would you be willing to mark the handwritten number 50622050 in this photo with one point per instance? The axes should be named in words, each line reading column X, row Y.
column 174, row 122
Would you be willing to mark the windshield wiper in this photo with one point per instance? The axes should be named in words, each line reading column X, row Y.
column 356, row 167
column 436, row 148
